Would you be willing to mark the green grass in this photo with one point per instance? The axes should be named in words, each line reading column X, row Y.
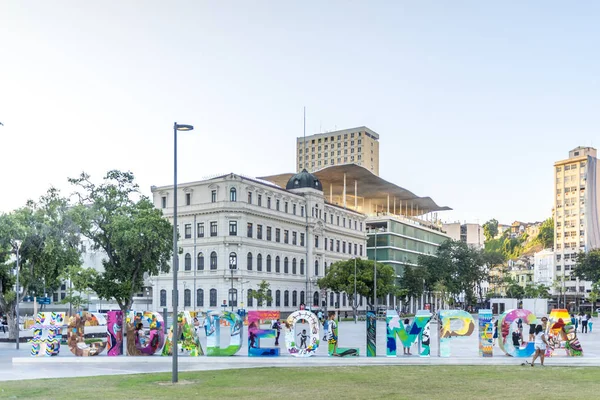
column 385, row 382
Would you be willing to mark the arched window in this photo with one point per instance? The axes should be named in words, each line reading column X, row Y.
column 199, row 298
column 232, row 261
column 188, row 262
column 277, row 264
column 213, row 297
column 163, row 298
column 200, row 262
column 213, row 260
column 269, row 298
column 278, row 298
column 286, row 268
column 301, row 267
column 316, row 267
column 302, row 298
column 315, row 298
column 294, row 299
column 250, row 298
column 331, row 299
column 268, row 263
column 286, row 298
column 232, row 194
column 294, row 266
column 259, row 262
column 187, row 297
column 337, row 300
column 249, row 261
column 232, row 297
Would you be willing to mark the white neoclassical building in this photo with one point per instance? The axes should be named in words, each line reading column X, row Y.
column 235, row 232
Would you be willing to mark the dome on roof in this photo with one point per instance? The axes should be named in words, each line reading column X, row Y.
column 304, row 179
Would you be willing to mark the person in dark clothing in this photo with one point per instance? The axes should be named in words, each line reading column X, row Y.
column 531, row 332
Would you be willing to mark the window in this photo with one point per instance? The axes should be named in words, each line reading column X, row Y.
column 259, row 200
column 294, row 238
column 277, row 204
column 315, row 298
column 277, row 235
column 55, row 297
column 268, row 202
column 213, row 228
column 200, row 262
column 331, row 244
column 294, row 299
column 249, row 197
column 286, row 269
column 63, row 295
column 249, row 261
column 294, row 266
column 302, row 211
column 250, row 298
column 213, row 260
column 331, row 218
column 268, row 233
column 232, row 194
column 344, row 224
column 164, row 203
column 188, row 262
column 338, row 220
column 302, row 239
column 278, row 298
column 325, row 268
column 232, row 228
column 259, row 231
column 200, row 228
column 337, row 246
column 269, row 298
column 268, row 263
column 343, row 247
column 213, row 196
column 302, row 297
column 188, row 199
column 344, row 300
column 316, row 267
column 259, row 262
column 316, row 242
column 361, row 250
column 187, row 298
column 188, row 231
column 213, row 298
column 301, row 267
column 286, row 236
column 163, row 298
column 286, row 298
column 200, row 298
column 277, row 264
column 294, row 209
column 249, row 229
column 286, row 207
column 232, row 297
column 232, row 261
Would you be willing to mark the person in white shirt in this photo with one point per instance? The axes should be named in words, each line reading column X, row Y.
column 540, row 345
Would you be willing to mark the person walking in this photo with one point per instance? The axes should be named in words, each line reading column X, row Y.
column 584, row 323
column 277, row 327
column 590, row 322
column 540, row 344
column 407, row 327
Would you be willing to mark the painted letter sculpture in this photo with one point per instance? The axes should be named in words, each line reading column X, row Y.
column 255, row 334
column 213, row 337
column 47, row 334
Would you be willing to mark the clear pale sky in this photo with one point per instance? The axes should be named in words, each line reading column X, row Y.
column 473, row 101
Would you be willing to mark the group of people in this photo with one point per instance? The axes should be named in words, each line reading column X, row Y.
column 582, row 320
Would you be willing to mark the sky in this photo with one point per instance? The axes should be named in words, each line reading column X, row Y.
column 473, row 101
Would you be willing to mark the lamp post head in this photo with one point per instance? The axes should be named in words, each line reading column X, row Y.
column 182, row 127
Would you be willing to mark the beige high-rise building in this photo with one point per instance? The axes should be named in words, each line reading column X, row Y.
column 349, row 146
column 576, row 219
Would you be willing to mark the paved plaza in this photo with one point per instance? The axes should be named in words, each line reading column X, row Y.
column 15, row 365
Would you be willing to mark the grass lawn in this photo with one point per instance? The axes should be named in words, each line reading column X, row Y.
column 392, row 382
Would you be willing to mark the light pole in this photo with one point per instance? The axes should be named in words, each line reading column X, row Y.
column 355, row 304
column 242, row 291
column 232, row 266
column 375, row 276
column 16, row 246
column 176, row 127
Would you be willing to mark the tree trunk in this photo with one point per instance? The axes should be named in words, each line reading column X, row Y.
column 12, row 323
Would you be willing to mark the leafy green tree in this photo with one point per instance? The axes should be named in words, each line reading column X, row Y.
column 594, row 294
column 587, row 266
column 490, row 229
column 515, row 290
column 262, row 293
column 49, row 242
column 340, row 278
column 413, row 282
column 546, row 235
column 133, row 234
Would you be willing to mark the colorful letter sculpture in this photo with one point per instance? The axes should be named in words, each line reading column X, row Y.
column 446, row 332
column 188, row 340
column 486, row 334
column 213, row 337
column 255, row 334
column 309, row 341
column 142, row 345
column 419, row 332
column 507, row 325
column 78, row 344
column 371, row 334
column 333, row 339
column 47, row 334
column 561, row 333
column 114, row 326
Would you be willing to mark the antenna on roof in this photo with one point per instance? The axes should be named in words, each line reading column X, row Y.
column 304, row 137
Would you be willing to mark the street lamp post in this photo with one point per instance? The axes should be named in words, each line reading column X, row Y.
column 17, row 299
column 176, row 127
column 232, row 266
column 355, row 304
column 375, row 276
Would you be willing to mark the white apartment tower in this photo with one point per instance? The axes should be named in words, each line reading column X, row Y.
column 576, row 220
column 349, row 146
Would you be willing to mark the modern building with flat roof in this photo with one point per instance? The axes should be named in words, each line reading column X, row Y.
column 471, row 234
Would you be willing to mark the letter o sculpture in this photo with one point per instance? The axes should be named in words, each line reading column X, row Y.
column 313, row 335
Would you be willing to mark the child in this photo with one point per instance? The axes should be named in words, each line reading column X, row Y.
column 540, row 345
column 303, row 337
column 407, row 326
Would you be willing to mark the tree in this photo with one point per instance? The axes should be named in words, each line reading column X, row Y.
column 490, row 229
column 413, row 282
column 132, row 233
column 49, row 242
column 515, row 290
column 262, row 293
column 594, row 294
column 587, row 266
column 546, row 235
column 340, row 278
